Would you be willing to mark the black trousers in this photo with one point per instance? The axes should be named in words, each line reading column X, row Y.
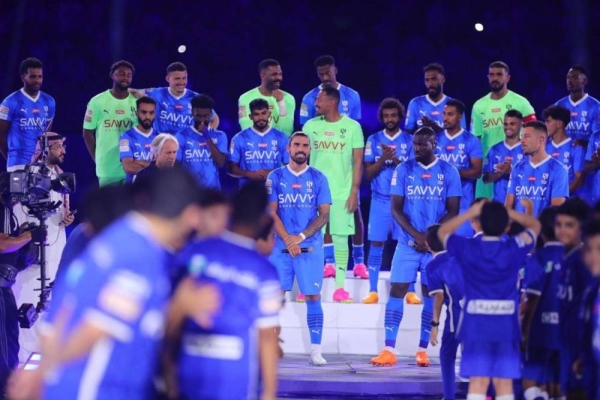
column 9, row 336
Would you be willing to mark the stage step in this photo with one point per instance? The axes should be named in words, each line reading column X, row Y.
column 352, row 329
column 358, row 288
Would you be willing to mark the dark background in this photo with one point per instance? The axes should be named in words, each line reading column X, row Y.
column 380, row 48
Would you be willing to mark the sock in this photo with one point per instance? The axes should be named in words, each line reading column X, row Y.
column 341, row 259
column 374, row 263
column 475, row 396
column 329, row 254
column 358, row 253
column 314, row 317
column 506, row 397
column 394, row 310
column 426, row 317
column 532, row 393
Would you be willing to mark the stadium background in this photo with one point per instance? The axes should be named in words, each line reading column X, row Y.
column 380, row 48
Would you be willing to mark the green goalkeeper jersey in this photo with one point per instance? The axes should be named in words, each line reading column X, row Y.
column 331, row 153
column 285, row 124
column 109, row 117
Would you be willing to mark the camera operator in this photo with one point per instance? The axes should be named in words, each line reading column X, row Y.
column 28, row 281
column 11, row 240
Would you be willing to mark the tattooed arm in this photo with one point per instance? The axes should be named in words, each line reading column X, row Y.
column 313, row 227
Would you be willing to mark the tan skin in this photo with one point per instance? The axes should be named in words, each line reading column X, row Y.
column 498, row 79
column 556, row 133
column 452, row 125
column 576, row 82
column 434, row 82
column 168, row 155
column 201, row 121
column 146, row 114
column 56, row 156
column 512, row 129
column 271, row 79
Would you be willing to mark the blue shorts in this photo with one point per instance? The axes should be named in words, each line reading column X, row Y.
column 568, row 380
column 495, row 360
column 306, row 267
column 536, row 365
column 381, row 222
column 406, row 262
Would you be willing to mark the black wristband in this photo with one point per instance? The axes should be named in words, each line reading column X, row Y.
column 435, row 324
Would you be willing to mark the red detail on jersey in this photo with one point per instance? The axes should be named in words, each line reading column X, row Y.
column 263, row 145
column 496, row 110
column 36, row 110
column 178, row 107
column 329, row 133
column 555, row 154
column 297, row 186
column 450, row 147
column 530, row 117
column 531, row 179
column 202, row 144
column 392, row 146
column 574, row 114
column 120, row 111
column 426, row 176
column 435, row 113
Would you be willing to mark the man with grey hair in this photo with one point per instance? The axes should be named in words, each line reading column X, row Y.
column 164, row 154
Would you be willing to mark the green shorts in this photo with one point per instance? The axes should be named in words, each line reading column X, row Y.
column 111, row 180
column 341, row 222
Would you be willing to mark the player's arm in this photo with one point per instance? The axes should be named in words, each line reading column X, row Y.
column 579, row 177
column 90, row 124
column 137, row 93
column 277, row 223
column 131, row 166
column 4, row 127
column 410, row 123
column 234, row 169
column 319, row 222
column 244, row 113
column 372, row 168
column 219, row 158
column 450, row 226
column 452, row 207
column 357, row 160
column 401, row 218
column 592, row 156
column 89, row 137
column 509, row 202
column 528, row 221
column 498, row 170
column 559, row 186
column 476, row 122
column 453, row 194
column 474, row 172
column 438, row 302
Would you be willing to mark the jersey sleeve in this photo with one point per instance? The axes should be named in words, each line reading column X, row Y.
column 358, row 139
column 324, row 194
column 355, row 111
column 272, row 185
column 488, row 165
column 559, row 183
column 244, row 112
column 307, row 108
column 92, row 115
column 578, row 158
column 454, row 185
column 596, row 118
column 592, row 148
column 476, row 121
column 475, row 148
column 434, row 281
column 533, row 282
column 270, row 299
column 463, row 122
column 370, row 149
column 527, row 111
column 125, row 147
column 412, row 113
column 397, row 183
column 7, row 109
column 51, row 108
column 235, row 150
column 522, row 244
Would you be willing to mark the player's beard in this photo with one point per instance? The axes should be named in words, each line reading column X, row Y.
column 391, row 126
column 123, row 85
column 32, row 87
column 434, row 91
column 274, row 85
column 261, row 124
column 146, row 123
column 497, row 87
column 300, row 158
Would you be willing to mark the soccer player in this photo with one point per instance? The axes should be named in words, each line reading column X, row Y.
column 300, row 201
column 25, row 115
column 226, row 359
column 428, row 110
column 538, row 177
column 489, row 330
column 114, row 296
column 592, row 260
column 282, row 105
column 385, row 150
column 108, row 115
column 541, row 322
column 337, row 151
column 487, row 114
column 573, row 279
column 592, row 167
column 349, row 98
column 562, row 148
column 135, row 144
column 259, row 149
column 503, row 156
column 585, row 114
column 463, row 150
column 203, row 150
column 445, row 284
column 174, row 110
column 424, row 191
column 164, row 154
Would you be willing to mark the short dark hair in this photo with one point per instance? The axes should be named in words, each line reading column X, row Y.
column 493, row 218
column 547, row 219
column 298, row 134
column 145, row 100
column 203, row 101
column 581, row 69
column 332, row 93
column 576, row 208
column 176, row 67
column 106, row 204
column 213, row 197
column 591, row 229
column 391, row 103
column 425, row 131
column 258, row 104
column 514, row 228
column 500, row 64
column 514, row 114
column 324, row 60
column 120, row 64
column 434, row 67
column 431, row 236
column 265, row 64
column 460, row 107
column 559, row 113
column 250, row 204
column 30, row 62
column 536, row 125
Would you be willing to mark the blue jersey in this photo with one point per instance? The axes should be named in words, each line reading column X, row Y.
column 29, row 118
column 298, row 196
column 541, row 183
column 172, row 113
column 194, row 154
column 425, row 189
column 423, row 106
column 594, row 148
column 402, row 143
column 223, row 362
column 497, row 154
column 595, row 339
column 444, row 276
column 137, row 145
column 108, row 286
column 584, row 116
column 541, row 279
column 349, row 103
column 570, row 156
column 459, row 150
column 254, row 150
column 491, row 265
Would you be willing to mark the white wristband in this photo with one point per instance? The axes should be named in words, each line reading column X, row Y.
column 302, row 235
column 282, row 108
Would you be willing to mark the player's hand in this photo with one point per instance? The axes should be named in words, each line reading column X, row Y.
column 23, row 228
column 294, row 250
column 278, row 94
column 68, row 220
column 25, row 385
column 578, row 366
column 475, row 209
column 388, row 153
column 433, row 336
column 504, row 167
column 256, row 175
column 421, row 243
column 292, row 239
column 527, row 205
column 580, row 143
column 429, row 123
column 596, row 158
column 352, row 202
